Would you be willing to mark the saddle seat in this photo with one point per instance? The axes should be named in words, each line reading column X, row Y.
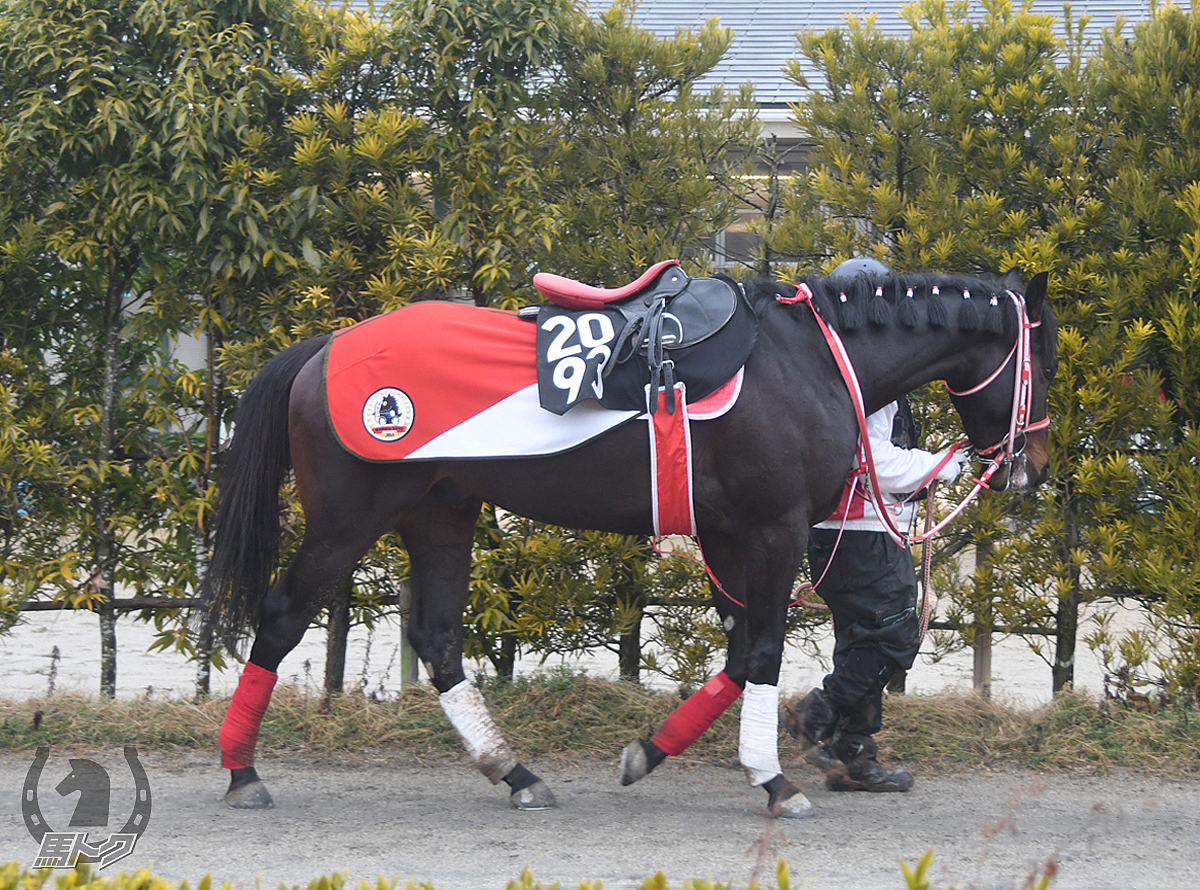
column 576, row 295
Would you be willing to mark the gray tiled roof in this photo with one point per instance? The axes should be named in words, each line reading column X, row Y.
column 765, row 30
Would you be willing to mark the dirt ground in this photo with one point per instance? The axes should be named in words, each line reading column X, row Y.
column 436, row 820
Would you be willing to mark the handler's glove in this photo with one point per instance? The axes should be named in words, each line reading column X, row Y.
column 953, row 466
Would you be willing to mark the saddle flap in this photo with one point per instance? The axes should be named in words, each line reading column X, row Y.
column 696, row 314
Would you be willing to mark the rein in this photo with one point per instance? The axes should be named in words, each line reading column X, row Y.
column 1003, row 451
column 926, row 566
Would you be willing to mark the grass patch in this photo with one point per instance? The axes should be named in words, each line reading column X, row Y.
column 560, row 714
column 1075, row 731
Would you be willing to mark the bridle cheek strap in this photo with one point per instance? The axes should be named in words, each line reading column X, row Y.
column 1022, row 405
column 1003, row 451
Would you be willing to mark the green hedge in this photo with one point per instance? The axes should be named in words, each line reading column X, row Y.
column 12, row 877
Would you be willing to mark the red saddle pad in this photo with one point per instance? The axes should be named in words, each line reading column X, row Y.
column 446, row 380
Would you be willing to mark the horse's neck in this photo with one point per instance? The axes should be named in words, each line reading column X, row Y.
column 891, row 362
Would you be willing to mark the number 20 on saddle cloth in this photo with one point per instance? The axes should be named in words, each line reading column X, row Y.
column 439, row 380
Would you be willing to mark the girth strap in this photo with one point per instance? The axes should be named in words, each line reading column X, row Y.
column 671, row 501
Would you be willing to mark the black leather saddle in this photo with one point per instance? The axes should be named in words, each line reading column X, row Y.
column 608, row 344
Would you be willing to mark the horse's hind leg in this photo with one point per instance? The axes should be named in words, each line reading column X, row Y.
column 439, row 535
column 286, row 614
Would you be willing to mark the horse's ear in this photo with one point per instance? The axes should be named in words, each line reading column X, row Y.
column 1012, row 280
column 1035, row 291
column 1035, row 295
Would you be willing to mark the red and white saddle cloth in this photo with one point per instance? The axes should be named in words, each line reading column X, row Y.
column 438, row 380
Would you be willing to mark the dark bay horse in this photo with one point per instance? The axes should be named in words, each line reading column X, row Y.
column 763, row 474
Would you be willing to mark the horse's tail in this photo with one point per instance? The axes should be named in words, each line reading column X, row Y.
column 246, row 535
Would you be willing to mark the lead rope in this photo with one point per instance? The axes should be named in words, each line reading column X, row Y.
column 926, row 564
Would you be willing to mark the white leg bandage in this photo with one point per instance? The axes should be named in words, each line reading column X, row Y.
column 758, row 742
column 464, row 708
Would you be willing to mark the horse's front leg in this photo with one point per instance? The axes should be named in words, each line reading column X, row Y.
column 755, row 581
column 690, row 720
column 439, row 538
column 758, row 739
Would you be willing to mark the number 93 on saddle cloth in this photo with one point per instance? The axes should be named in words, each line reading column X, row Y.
column 608, row 345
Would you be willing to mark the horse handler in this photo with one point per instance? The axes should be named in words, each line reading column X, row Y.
column 869, row 583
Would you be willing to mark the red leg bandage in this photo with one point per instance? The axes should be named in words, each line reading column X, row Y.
column 239, row 732
column 690, row 720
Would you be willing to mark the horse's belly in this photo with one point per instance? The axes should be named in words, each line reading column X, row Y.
column 602, row 485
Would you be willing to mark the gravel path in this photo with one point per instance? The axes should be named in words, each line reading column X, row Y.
column 436, row 820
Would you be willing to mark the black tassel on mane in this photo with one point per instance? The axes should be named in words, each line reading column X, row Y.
column 878, row 310
column 968, row 313
column 906, row 310
column 936, row 311
column 993, row 318
column 850, row 312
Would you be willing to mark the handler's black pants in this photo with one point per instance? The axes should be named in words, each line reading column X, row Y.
column 871, row 591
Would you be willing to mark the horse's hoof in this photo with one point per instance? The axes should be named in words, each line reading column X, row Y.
column 533, row 797
column 795, row 807
column 251, row 796
column 634, row 764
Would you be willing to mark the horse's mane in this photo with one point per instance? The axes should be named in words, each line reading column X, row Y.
column 940, row 301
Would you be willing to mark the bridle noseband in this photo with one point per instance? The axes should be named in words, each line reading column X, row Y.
column 1004, row 451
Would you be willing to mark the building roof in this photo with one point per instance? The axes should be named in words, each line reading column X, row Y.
column 765, row 31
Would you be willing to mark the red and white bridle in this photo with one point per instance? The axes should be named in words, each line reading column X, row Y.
column 1003, row 451
column 1022, row 405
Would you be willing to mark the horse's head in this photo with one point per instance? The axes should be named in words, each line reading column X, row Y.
column 84, row 775
column 1002, row 397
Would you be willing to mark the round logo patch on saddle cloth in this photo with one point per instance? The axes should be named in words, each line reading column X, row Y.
column 388, row 414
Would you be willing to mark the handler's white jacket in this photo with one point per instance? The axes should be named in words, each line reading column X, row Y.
column 898, row 470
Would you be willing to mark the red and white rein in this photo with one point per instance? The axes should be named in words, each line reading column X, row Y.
column 1004, row 450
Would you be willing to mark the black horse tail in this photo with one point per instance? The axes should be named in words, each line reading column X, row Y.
column 246, row 536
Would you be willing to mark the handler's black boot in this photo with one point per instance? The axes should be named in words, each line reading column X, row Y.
column 860, row 771
column 814, row 721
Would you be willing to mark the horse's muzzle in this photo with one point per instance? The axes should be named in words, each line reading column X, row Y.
column 1021, row 474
